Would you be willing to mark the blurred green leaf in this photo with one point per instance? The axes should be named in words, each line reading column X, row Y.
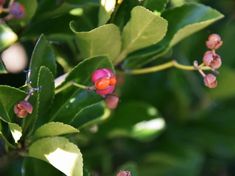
column 60, row 153
column 9, row 96
column 96, row 43
column 43, row 55
column 54, row 129
column 225, row 89
column 155, row 5
column 30, row 9
column 16, row 131
column 183, row 21
column 106, row 9
column 134, row 119
column 2, row 68
column 7, row 36
column 144, row 29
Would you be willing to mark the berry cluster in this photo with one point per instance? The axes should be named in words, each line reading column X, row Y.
column 105, row 81
column 211, row 59
column 13, row 10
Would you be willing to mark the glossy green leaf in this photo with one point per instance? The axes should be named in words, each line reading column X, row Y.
column 91, row 115
column 106, row 9
column 43, row 55
column 96, row 43
column 183, row 21
column 7, row 36
column 60, row 153
column 46, row 93
column 16, row 131
column 54, row 129
column 42, row 99
column 9, row 96
column 155, row 5
column 143, row 29
column 141, row 122
column 190, row 19
column 79, row 100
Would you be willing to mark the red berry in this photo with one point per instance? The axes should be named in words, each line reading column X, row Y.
column 124, row 173
column 17, row 10
column 212, row 60
column 104, row 81
column 214, row 42
column 23, row 108
column 210, row 81
column 111, row 101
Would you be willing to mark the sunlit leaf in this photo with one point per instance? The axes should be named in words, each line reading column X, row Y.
column 60, row 153
column 16, row 131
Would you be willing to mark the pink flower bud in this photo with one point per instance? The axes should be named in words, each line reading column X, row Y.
column 111, row 101
column 124, row 173
column 17, row 10
column 212, row 60
column 23, row 108
column 210, row 81
column 214, row 42
column 104, row 81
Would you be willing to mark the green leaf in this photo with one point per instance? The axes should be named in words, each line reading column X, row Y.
column 54, row 129
column 92, row 115
column 7, row 36
column 43, row 55
column 9, row 96
column 60, row 153
column 42, row 100
column 188, row 19
column 32, row 166
column 155, row 5
column 46, row 94
column 16, row 131
column 96, row 43
column 183, row 21
column 106, row 9
column 135, row 119
column 143, row 29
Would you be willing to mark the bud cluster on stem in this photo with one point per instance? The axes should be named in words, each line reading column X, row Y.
column 211, row 59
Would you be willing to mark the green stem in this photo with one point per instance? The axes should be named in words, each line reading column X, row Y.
column 164, row 66
column 82, row 86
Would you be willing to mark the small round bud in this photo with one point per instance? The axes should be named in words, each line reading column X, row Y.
column 210, row 81
column 212, row 60
column 111, row 101
column 104, row 81
column 214, row 42
column 23, row 108
column 17, row 10
column 124, row 173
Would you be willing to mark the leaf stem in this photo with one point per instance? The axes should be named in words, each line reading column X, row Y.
column 170, row 64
